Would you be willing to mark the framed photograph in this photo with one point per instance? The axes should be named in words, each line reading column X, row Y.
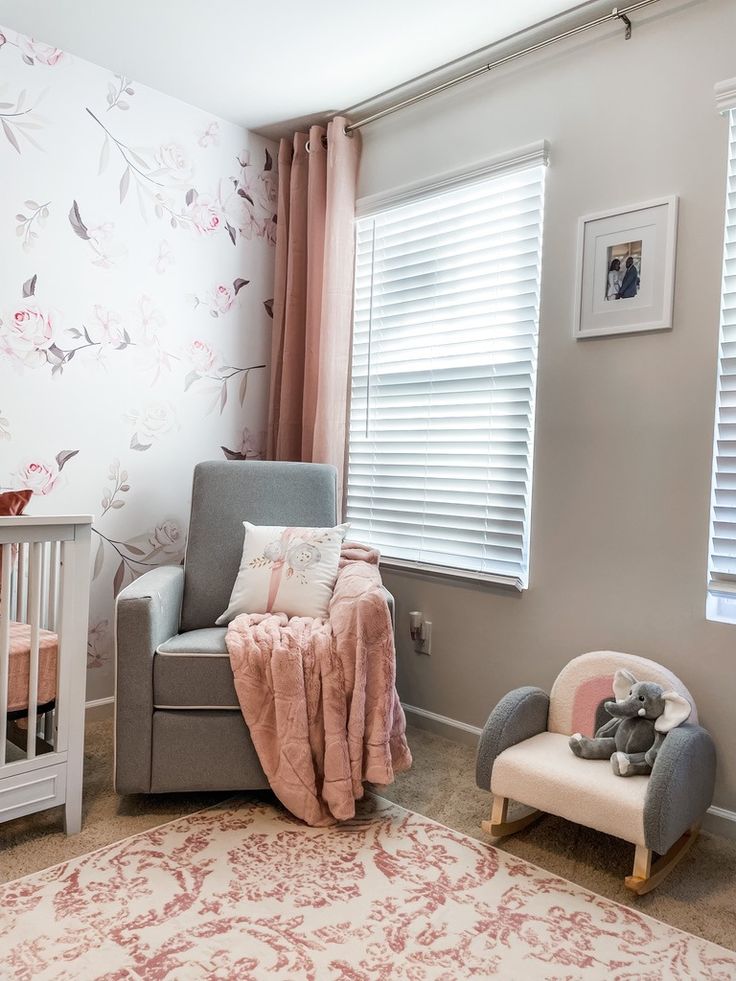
column 626, row 270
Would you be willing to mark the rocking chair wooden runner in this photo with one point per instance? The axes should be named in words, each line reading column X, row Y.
column 524, row 756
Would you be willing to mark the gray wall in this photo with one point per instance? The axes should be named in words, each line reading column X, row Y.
column 624, row 425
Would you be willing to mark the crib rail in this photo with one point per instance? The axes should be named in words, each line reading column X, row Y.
column 44, row 587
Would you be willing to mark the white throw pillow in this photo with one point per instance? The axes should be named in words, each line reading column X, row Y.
column 286, row 570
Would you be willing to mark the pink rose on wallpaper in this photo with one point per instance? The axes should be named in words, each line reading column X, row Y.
column 38, row 476
column 222, row 298
column 210, row 136
column 204, row 213
column 38, row 52
column 151, row 422
column 202, row 358
column 167, row 538
column 26, row 334
column 263, row 188
column 239, row 211
column 173, row 164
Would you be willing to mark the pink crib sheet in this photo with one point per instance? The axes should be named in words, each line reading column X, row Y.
column 20, row 663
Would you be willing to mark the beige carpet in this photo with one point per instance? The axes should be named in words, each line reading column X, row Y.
column 699, row 896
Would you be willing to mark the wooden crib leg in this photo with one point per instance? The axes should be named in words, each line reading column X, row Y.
column 499, row 826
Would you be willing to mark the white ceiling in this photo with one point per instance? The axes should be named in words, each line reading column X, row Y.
column 264, row 63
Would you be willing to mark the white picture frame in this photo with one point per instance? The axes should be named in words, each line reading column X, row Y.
column 613, row 299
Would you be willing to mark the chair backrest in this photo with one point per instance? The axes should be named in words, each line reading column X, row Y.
column 587, row 681
column 227, row 493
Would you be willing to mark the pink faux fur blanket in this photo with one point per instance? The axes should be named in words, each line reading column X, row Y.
column 319, row 697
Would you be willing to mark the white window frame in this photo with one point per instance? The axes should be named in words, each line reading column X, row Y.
column 721, row 596
column 534, row 154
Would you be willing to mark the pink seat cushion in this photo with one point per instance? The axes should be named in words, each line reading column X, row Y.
column 20, row 663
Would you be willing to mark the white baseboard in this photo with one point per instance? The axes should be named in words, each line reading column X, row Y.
column 458, row 732
column 718, row 820
column 98, row 709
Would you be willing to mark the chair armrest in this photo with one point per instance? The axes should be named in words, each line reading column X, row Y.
column 518, row 716
column 146, row 614
column 680, row 788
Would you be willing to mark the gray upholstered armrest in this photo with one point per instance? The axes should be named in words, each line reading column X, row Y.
column 680, row 787
column 147, row 614
column 518, row 716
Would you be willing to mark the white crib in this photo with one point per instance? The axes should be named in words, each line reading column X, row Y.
column 44, row 611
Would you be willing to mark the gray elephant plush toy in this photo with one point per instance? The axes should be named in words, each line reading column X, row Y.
column 643, row 714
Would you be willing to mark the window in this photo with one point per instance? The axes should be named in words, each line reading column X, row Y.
column 444, row 372
column 722, row 565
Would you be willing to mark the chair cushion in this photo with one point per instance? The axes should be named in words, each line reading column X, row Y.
column 192, row 670
column 543, row 772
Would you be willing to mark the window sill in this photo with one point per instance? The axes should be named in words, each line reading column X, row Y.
column 721, row 608
column 453, row 575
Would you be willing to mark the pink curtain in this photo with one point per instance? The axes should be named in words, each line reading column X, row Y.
column 313, row 296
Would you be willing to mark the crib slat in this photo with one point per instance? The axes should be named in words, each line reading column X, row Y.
column 53, row 585
column 44, row 567
column 4, row 651
column 20, row 606
column 35, row 586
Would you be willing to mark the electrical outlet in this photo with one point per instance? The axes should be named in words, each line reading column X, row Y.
column 423, row 644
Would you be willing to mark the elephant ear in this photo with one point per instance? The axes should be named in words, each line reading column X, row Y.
column 676, row 711
column 622, row 682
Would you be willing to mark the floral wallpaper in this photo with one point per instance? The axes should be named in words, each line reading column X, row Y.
column 135, row 306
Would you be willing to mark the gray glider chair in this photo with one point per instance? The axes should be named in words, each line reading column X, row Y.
column 178, row 725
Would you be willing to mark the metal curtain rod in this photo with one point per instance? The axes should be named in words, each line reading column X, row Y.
column 615, row 14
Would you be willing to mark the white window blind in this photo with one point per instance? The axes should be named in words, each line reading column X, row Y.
column 444, row 372
column 722, row 572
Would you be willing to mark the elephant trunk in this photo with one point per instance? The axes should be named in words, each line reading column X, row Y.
column 623, row 710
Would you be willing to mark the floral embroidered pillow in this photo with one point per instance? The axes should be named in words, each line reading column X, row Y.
column 286, row 570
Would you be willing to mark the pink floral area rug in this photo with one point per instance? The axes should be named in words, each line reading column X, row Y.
column 245, row 891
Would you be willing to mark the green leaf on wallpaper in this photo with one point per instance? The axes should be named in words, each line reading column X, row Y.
column 104, row 155
column 137, row 158
column 243, row 387
column 191, row 378
column 232, row 454
column 268, row 165
column 268, row 304
column 124, row 184
column 135, row 444
column 10, row 136
column 29, row 287
column 238, row 284
column 230, row 231
column 189, row 196
column 99, row 560
column 64, row 456
column 118, row 580
column 76, row 222
column 223, row 397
